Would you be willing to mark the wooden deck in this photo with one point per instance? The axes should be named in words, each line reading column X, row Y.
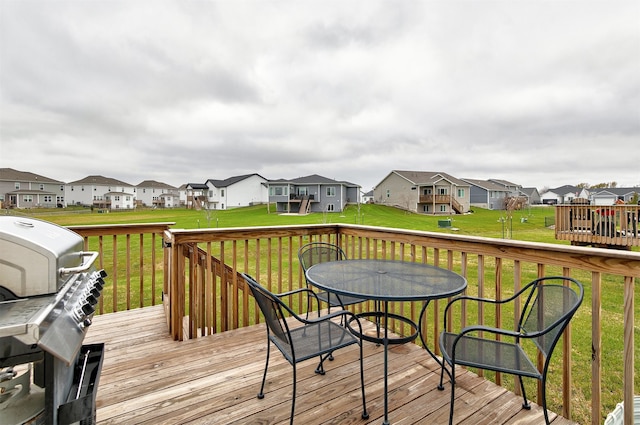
column 147, row 378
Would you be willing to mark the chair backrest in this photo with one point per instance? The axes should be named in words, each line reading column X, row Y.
column 319, row 252
column 550, row 306
column 271, row 307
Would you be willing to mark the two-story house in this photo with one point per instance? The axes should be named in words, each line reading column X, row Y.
column 237, row 191
column 101, row 192
column 196, row 195
column 312, row 193
column 424, row 192
column 20, row 189
column 151, row 193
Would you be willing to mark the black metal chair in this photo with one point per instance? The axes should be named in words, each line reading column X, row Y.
column 550, row 303
column 321, row 252
column 317, row 337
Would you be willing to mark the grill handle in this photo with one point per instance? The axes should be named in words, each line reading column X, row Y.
column 84, row 267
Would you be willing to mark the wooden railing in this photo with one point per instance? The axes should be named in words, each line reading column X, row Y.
column 205, row 294
column 133, row 258
column 596, row 225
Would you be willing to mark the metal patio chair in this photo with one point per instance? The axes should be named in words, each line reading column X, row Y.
column 550, row 303
column 321, row 252
column 316, row 337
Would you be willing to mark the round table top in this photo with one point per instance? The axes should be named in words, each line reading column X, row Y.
column 386, row 280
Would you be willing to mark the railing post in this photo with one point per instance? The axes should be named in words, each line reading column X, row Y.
column 628, row 375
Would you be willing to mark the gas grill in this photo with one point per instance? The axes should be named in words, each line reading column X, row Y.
column 49, row 288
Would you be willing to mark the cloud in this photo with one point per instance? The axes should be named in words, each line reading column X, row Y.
column 539, row 93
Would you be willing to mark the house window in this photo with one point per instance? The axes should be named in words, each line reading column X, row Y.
column 41, row 186
column 61, row 188
column 222, row 192
column 59, row 199
column 17, row 186
column 443, row 208
column 330, row 207
column 47, row 199
column 82, row 188
column 116, row 198
column 442, row 191
column 331, row 191
column 425, row 208
column 303, row 191
column 388, row 193
column 278, row 190
column 460, row 193
column 27, row 198
column 427, row 191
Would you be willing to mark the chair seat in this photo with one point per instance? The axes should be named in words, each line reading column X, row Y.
column 332, row 299
column 489, row 354
column 315, row 339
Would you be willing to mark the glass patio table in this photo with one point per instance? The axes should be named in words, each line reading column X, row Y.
column 387, row 281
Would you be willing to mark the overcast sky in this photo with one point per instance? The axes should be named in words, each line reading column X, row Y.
column 540, row 93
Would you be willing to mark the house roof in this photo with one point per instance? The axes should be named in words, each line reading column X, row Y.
column 428, row 177
column 232, row 180
column 9, row 174
column 505, row 183
column 488, row 185
column 313, row 179
column 619, row 191
column 197, row 186
column 529, row 191
column 154, row 184
column 101, row 180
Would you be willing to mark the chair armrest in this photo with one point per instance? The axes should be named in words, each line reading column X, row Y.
column 296, row 291
column 490, row 330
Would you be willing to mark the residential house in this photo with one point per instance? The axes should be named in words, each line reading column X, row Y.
column 237, row 191
column 151, row 193
column 312, row 193
column 427, row 192
column 611, row 195
column 20, row 189
column 367, row 198
column 488, row 194
column 182, row 191
column 196, row 195
column 101, row 192
column 532, row 195
column 563, row 195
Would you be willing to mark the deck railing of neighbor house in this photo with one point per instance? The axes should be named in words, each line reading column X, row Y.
column 203, row 293
column 597, row 225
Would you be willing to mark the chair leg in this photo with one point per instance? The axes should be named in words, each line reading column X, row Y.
column 293, row 400
column 453, row 393
column 544, row 401
column 365, row 414
column 525, row 403
column 441, row 385
column 264, row 375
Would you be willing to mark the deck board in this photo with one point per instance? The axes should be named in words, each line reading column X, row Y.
column 147, row 378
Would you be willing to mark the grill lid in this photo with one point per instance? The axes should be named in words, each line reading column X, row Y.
column 35, row 256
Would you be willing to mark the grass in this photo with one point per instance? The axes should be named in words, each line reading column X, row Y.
column 528, row 225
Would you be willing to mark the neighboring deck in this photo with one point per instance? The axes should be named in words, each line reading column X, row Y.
column 148, row 378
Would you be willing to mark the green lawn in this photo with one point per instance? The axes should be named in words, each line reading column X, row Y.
column 479, row 223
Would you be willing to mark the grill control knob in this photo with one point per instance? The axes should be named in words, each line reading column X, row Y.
column 88, row 309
